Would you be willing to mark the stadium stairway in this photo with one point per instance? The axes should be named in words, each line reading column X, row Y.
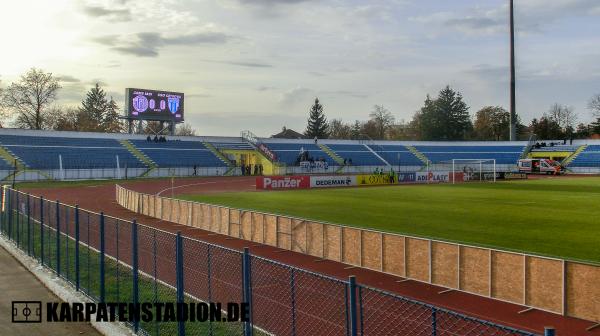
column 418, row 154
column 332, row 154
column 573, row 156
column 7, row 156
column 223, row 158
column 140, row 156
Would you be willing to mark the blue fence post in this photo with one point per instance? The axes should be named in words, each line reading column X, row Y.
column 42, row 229
column 58, row 237
column 352, row 292
column 2, row 208
column 433, row 321
column 77, row 271
column 29, row 224
column 549, row 331
column 134, row 269
column 293, row 292
column 10, row 214
column 209, row 277
column 179, row 281
column 102, row 252
column 18, row 220
column 247, row 289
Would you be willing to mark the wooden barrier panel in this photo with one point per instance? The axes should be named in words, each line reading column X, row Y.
column 299, row 239
column 583, row 291
column 166, row 209
column 417, row 259
column 184, row 215
column 271, row 230
column 351, row 246
column 508, row 276
column 224, row 220
column 475, row 270
column 393, row 254
column 544, row 284
column 444, row 264
column 372, row 250
column 553, row 285
column 316, row 242
column 246, row 227
column 258, row 228
column 284, row 233
column 333, row 242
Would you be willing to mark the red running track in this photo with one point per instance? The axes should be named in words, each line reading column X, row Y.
column 102, row 198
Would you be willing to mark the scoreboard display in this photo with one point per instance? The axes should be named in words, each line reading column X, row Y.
column 147, row 104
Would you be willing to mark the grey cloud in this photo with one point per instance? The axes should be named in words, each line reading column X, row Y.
column 353, row 94
column 296, row 95
column 120, row 15
column 68, row 79
column 147, row 44
column 271, row 2
column 477, row 23
column 243, row 63
column 265, row 88
column 137, row 51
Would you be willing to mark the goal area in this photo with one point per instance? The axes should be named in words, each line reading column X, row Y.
column 474, row 169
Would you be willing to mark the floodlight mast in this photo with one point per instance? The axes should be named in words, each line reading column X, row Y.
column 513, row 105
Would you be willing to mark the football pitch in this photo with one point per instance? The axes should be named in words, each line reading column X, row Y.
column 557, row 217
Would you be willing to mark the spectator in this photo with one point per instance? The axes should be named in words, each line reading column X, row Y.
column 255, row 169
column 148, row 138
column 156, row 138
column 195, row 170
column 316, row 139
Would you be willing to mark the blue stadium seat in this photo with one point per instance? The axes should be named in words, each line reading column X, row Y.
column 445, row 154
column 360, row 155
column 40, row 152
column 176, row 153
column 397, row 155
column 288, row 152
column 589, row 158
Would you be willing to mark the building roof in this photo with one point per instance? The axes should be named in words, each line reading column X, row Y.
column 287, row 133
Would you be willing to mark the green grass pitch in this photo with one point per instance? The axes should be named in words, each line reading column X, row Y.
column 552, row 217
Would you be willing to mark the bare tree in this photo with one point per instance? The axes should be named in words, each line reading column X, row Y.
column 564, row 116
column 594, row 105
column 382, row 119
column 338, row 129
column 185, row 130
column 30, row 99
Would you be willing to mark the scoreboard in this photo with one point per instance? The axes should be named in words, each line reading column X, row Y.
column 144, row 104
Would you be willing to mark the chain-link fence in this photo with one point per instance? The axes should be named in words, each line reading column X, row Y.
column 114, row 260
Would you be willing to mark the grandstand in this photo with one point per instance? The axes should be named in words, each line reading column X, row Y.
column 59, row 155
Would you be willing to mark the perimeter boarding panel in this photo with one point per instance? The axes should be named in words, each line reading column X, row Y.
column 554, row 285
column 331, row 181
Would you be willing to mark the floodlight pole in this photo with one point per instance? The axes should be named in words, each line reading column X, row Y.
column 513, row 108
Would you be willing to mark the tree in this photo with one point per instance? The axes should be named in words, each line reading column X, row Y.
column 111, row 122
column 317, row 123
column 492, row 123
column 546, row 128
column 185, row 130
column 594, row 105
column 66, row 119
column 355, row 130
column 338, row 129
column 564, row 116
column 95, row 107
column 383, row 120
column 445, row 118
column 30, row 98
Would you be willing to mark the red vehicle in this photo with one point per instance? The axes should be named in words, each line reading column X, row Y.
column 540, row 166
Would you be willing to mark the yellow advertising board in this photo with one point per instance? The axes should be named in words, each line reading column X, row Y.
column 373, row 179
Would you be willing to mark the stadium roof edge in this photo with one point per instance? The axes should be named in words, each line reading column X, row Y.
column 116, row 136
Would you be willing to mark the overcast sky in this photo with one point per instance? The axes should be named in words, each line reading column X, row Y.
column 258, row 64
